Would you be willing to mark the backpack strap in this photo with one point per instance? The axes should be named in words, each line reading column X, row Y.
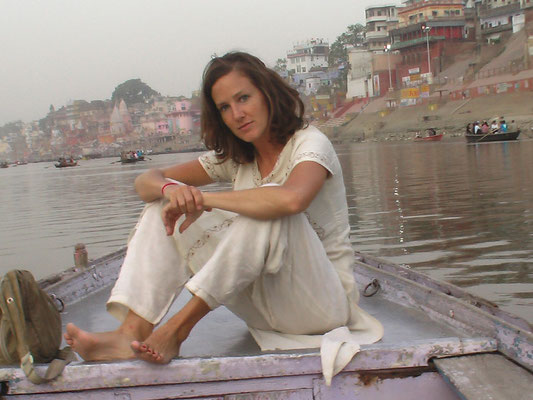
column 56, row 366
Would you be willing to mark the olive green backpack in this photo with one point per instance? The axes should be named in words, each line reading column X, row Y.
column 30, row 327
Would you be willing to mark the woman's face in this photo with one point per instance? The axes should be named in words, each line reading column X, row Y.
column 242, row 106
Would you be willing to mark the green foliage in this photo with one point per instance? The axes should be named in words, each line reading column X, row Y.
column 281, row 65
column 338, row 54
column 133, row 91
column 354, row 36
column 11, row 127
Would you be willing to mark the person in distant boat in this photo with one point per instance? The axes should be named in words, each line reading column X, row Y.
column 485, row 128
column 477, row 128
column 503, row 127
column 494, row 127
column 432, row 132
column 275, row 250
column 469, row 128
column 512, row 127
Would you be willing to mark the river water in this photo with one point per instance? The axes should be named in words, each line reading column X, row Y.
column 460, row 213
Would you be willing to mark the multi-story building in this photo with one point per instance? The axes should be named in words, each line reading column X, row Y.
column 359, row 79
column 424, row 29
column 308, row 55
column 497, row 17
column 380, row 20
column 180, row 120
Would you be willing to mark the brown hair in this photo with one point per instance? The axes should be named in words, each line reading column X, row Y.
column 285, row 108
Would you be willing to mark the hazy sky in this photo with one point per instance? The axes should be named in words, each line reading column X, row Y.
column 53, row 51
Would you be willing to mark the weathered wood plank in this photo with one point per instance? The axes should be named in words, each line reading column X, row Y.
column 127, row 374
column 347, row 386
column 513, row 341
column 444, row 287
column 486, row 377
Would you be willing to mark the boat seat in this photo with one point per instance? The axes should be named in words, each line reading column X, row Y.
column 486, row 377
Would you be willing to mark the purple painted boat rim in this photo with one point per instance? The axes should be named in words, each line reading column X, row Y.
column 454, row 323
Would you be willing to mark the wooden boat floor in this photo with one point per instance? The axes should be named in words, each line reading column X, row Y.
column 221, row 333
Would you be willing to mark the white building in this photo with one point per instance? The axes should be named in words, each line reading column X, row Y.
column 360, row 74
column 379, row 21
column 305, row 56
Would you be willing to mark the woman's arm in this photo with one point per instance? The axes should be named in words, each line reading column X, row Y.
column 293, row 197
column 148, row 185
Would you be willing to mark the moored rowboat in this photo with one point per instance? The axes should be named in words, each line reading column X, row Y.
column 434, row 332
column 434, row 138
column 492, row 137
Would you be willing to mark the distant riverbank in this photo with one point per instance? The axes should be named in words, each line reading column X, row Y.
column 441, row 114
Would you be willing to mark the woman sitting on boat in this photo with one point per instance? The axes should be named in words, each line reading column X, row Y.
column 275, row 250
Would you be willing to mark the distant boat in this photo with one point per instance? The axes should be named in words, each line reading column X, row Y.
column 492, row 137
column 127, row 157
column 4, row 164
column 434, row 138
column 127, row 160
column 431, row 136
column 62, row 163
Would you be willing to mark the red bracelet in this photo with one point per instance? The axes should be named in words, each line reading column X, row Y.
column 165, row 185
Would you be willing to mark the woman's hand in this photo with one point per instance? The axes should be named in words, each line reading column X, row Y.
column 183, row 200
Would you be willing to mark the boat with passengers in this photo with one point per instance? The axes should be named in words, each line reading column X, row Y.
column 492, row 137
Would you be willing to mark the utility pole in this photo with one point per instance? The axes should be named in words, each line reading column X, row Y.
column 387, row 50
column 426, row 29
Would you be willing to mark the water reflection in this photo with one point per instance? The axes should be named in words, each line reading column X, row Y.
column 462, row 213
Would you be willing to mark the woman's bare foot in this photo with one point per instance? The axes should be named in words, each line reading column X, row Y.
column 102, row 346
column 161, row 346
column 164, row 343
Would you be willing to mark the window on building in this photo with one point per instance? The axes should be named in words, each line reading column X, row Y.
column 434, row 13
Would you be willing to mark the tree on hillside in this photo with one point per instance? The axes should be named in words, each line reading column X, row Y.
column 133, row 91
column 281, row 65
column 11, row 127
column 338, row 53
column 354, row 36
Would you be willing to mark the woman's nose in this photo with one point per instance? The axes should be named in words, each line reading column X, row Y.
column 238, row 112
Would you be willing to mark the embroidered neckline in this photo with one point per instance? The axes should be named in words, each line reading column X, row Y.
column 258, row 180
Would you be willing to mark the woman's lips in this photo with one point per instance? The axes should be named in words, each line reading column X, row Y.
column 245, row 126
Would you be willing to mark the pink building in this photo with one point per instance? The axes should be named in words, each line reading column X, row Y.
column 162, row 127
column 180, row 119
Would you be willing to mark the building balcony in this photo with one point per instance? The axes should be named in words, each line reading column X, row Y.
column 419, row 20
column 377, row 35
column 499, row 11
column 381, row 18
column 428, row 3
column 431, row 22
column 415, row 42
column 496, row 29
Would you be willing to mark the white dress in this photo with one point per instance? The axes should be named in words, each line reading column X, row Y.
column 290, row 279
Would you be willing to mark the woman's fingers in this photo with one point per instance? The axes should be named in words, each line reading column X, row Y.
column 189, row 219
column 187, row 199
column 170, row 216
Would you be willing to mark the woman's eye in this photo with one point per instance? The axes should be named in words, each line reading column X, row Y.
column 244, row 97
column 223, row 108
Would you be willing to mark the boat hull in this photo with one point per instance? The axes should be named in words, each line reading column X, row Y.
column 436, row 138
column 423, row 319
column 131, row 160
column 492, row 137
column 58, row 165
